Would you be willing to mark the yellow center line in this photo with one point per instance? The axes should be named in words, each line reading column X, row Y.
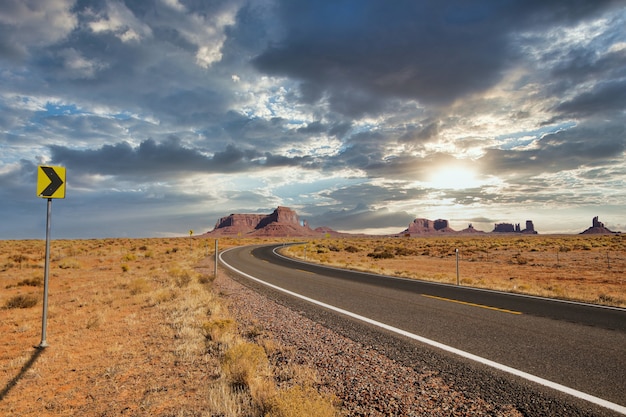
column 473, row 304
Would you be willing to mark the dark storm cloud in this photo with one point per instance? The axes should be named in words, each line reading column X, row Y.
column 362, row 217
column 18, row 184
column 607, row 98
column 583, row 145
column 432, row 51
column 158, row 160
column 367, row 194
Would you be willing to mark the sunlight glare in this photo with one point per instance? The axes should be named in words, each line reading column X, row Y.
column 455, row 178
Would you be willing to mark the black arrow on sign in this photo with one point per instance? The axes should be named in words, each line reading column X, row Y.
column 55, row 181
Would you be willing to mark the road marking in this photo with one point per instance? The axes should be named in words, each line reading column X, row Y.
column 525, row 375
column 472, row 304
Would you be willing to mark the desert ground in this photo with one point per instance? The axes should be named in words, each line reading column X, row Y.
column 589, row 268
column 135, row 326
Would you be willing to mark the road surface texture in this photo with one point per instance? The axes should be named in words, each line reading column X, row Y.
column 580, row 347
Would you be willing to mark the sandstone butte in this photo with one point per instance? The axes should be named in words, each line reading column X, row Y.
column 285, row 222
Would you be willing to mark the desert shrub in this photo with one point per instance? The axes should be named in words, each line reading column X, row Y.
column 519, row 259
column 162, row 295
column 69, row 264
column 215, row 329
column 351, row 249
column 21, row 301
column 609, row 299
column 125, row 268
column 301, row 402
column 182, row 277
column 243, row 362
column 402, row 251
column 18, row 259
column 206, row 278
column 31, row 282
column 138, row 286
column 386, row 254
column 129, row 257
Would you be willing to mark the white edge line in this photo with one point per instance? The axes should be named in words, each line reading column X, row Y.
column 562, row 388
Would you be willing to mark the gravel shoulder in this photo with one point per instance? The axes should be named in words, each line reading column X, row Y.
column 376, row 374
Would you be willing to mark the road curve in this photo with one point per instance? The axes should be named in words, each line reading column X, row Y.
column 577, row 346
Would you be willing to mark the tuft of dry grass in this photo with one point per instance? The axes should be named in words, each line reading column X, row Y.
column 21, row 301
column 299, row 401
column 244, row 362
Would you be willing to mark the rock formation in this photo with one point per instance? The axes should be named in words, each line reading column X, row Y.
column 470, row 230
column 427, row 227
column 281, row 222
column 510, row 228
column 597, row 228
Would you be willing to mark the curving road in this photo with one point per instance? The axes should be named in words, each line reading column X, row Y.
column 577, row 349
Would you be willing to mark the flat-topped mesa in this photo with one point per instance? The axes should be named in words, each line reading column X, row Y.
column 426, row 227
column 283, row 215
column 283, row 221
column 243, row 221
column 517, row 228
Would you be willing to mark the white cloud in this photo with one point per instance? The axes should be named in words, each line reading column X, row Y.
column 77, row 66
column 119, row 20
column 36, row 22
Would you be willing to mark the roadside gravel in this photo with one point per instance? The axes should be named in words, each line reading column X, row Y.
column 366, row 381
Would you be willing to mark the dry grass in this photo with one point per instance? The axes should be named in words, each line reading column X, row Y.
column 134, row 328
column 583, row 268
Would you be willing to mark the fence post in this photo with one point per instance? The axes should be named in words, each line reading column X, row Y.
column 458, row 282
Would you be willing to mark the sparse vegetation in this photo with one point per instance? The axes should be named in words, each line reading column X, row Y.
column 153, row 340
column 578, row 267
column 21, row 301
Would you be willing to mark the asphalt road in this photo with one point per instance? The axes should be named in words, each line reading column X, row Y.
column 579, row 346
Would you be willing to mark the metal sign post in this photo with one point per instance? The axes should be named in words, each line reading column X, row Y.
column 50, row 184
column 44, row 319
column 217, row 259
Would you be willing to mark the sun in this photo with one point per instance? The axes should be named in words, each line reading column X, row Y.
column 453, row 178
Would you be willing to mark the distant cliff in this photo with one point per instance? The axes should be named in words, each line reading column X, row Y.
column 597, row 228
column 281, row 222
column 425, row 227
column 509, row 228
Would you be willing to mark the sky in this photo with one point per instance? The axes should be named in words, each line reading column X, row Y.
column 360, row 115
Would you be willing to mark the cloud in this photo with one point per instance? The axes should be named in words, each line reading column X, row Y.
column 607, row 98
column 362, row 217
column 430, row 51
column 117, row 19
column 165, row 160
column 26, row 23
column 346, row 108
column 587, row 144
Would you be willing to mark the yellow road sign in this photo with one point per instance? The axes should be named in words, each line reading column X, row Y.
column 50, row 182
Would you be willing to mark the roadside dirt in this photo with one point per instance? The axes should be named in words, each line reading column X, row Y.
column 115, row 347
